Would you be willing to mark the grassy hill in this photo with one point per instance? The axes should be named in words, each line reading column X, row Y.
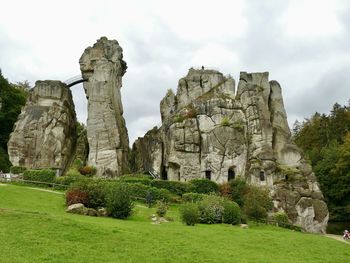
column 34, row 227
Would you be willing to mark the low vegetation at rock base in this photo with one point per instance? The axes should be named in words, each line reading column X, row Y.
column 35, row 231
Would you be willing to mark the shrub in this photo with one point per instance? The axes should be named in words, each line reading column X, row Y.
column 88, row 171
column 119, row 203
column 178, row 188
column 281, row 219
column 145, row 192
column 75, row 196
column 192, row 197
column 211, row 209
column 225, row 190
column 178, row 118
column 44, row 175
column 133, row 180
column 69, row 179
column 203, row 186
column 232, row 213
column 77, row 164
column 161, row 208
column 189, row 214
column 257, row 203
column 238, row 188
column 17, row 169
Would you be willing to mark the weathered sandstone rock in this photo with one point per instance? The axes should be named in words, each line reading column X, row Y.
column 103, row 66
column 210, row 132
column 45, row 133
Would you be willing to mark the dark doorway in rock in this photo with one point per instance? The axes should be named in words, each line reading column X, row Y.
column 164, row 174
column 231, row 174
column 178, row 176
column 208, row 175
column 262, row 176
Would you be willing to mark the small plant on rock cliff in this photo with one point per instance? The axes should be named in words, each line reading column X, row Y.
column 189, row 213
column 161, row 208
column 178, row 118
column 225, row 122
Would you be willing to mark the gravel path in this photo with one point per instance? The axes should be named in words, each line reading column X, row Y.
column 337, row 237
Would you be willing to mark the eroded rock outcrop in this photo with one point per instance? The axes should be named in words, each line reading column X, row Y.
column 209, row 131
column 103, row 66
column 45, row 132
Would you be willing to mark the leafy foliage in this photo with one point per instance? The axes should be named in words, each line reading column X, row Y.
column 326, row 141
column 189, row 214
column 178, row 188
column 257, row 203
column 203, row 186
column 119, row 203
column 45, row 175
column 161, row 208
column 12, row 98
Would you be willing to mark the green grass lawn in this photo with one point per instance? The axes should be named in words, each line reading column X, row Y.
column 34, row 227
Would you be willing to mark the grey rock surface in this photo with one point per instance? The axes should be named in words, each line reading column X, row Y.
column 44, row 134
column 209, row 131
column 103, row 66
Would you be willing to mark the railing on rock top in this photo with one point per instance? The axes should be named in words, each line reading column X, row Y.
column 74, row 80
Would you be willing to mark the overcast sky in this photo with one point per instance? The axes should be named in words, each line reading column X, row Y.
column 304, row 44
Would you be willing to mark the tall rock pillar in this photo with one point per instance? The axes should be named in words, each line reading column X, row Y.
column 103, row 67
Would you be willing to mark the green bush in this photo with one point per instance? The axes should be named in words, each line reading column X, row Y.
column 96, row 191
column 88, row 171
column 281, row 219
column 161, row 208
column 119, row 203
column 69, row 179
column 189, row 214
column 257, row 203
column 238, row 188
column 45, row 175
column 211, row 209
column 232, row 213
column 134, row 180
column 17, row 169
column 174, row 187
column 145, row 192
column 192, row 197
column 203, row 186
column 74, row 196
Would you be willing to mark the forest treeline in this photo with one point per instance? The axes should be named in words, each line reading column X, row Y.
column 325, row 140
column 12, row 98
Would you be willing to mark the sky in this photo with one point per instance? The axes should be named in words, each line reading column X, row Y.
column 304, row 44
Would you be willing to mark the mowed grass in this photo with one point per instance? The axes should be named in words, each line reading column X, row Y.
column 34, row 227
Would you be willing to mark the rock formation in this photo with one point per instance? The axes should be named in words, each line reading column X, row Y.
column 44, row 134
column 209, row 131
column 103, row 67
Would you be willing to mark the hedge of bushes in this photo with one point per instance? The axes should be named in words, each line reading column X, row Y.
column 45, row 175
column 211, row 209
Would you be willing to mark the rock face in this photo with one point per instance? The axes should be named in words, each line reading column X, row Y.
column 209, row 131
column 103, row 66
column 44, row 134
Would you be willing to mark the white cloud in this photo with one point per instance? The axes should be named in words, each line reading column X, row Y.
column 312, row 19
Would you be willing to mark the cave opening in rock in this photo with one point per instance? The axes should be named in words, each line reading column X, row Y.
column 231, row 174
column 208, row 175
column 164, row 175
column 262, row 176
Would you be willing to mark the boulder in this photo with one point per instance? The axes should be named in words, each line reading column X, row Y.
column 77, row 209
